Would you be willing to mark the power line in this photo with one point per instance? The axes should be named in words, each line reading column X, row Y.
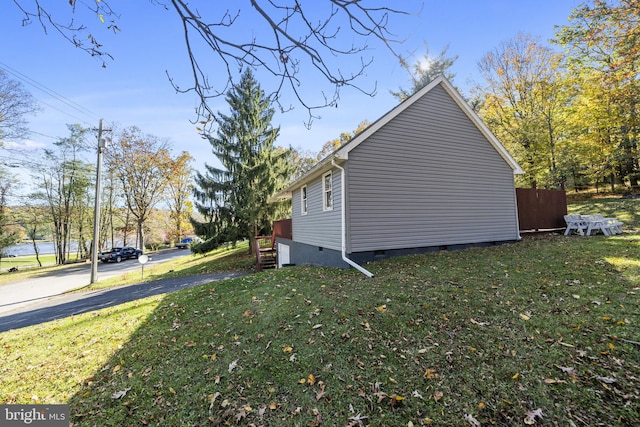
column 42, row 134
column 22, row 162
column 63, row 112
column 63, row 99
column 74, row 105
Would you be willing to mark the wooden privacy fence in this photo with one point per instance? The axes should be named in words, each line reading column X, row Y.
column 541, row 209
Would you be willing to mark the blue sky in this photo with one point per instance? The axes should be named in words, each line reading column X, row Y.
column 134, row 90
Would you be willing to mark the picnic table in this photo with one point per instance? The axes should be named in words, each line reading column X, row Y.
column 586, row 224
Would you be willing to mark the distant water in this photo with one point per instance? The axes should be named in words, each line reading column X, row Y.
column 43, row 248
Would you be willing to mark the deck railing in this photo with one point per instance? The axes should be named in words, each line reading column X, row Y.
column 265, row 246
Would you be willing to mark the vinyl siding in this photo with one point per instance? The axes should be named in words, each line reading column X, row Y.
column 318, row 227
column 428, row 178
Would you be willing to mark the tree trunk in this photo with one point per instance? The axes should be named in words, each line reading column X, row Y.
column 140, row 234
column 58, row 238
column 35, row 249
column 612, row 180
column 552, row 151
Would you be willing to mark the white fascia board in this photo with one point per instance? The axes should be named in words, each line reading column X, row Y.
column 343, row 152
column 482, row 127
column 315, row 172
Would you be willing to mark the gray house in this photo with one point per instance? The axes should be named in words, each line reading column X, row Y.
column 428, row 175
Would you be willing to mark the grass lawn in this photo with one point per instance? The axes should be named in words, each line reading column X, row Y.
column 27, row 266
column 223, row 259
column 626, row 210
column 27, row 261
column 542, row 332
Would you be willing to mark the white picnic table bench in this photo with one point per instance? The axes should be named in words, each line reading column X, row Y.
column 586, row 224
column 614, row 225
column 575, row 222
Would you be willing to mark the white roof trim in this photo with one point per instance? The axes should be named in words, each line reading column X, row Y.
column 481, row 126
column 342, row 153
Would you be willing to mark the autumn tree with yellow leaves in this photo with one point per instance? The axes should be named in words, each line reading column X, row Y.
column 524, row 105
column 602, row 43
column 142, row 164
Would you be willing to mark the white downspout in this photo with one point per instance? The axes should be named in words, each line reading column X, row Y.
column 344, row 228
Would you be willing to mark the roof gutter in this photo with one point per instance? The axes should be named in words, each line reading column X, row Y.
column 344, row 228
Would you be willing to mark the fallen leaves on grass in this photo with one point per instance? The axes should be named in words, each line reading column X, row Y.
column 396, row 400
column 227, row 410
column 462, row 354
column 310, row 379
column 606, row 380
column 120, row 394
column 317, row 418
column 471, row 420
column 475, row 322
column 430, row 374
column 530, row 416
column 357, row 420
column 567, row 370
column 320, row 394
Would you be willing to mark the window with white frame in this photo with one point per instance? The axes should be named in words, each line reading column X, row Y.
column 303, row 200
column 327, row 191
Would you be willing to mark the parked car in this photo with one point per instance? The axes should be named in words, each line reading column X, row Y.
column 119, row 253
column 184, row 244
column 187, row 241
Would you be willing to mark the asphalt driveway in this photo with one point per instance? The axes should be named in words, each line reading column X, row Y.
column 46, row 284
column 65, row 305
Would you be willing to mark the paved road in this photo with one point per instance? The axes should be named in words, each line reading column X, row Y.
column 70, row 304
column 24, row 293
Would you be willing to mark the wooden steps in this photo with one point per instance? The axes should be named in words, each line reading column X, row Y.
column 265, row 246
column 265, row 252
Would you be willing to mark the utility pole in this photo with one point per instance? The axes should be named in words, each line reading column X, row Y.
column 96, row 212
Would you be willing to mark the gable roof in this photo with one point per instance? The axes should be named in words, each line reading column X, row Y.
column 341, row 154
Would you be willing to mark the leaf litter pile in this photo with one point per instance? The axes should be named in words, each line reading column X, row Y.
column 541, row 332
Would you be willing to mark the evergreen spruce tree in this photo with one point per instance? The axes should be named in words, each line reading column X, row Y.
column 233, row 199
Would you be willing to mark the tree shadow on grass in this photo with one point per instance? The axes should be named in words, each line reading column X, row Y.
column 302, row 345
column 73, row 304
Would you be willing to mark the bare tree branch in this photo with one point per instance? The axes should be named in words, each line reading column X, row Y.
column 70, row 30
column 285, row 38
column 15, row 104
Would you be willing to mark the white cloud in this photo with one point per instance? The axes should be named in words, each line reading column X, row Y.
column 26, row 144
